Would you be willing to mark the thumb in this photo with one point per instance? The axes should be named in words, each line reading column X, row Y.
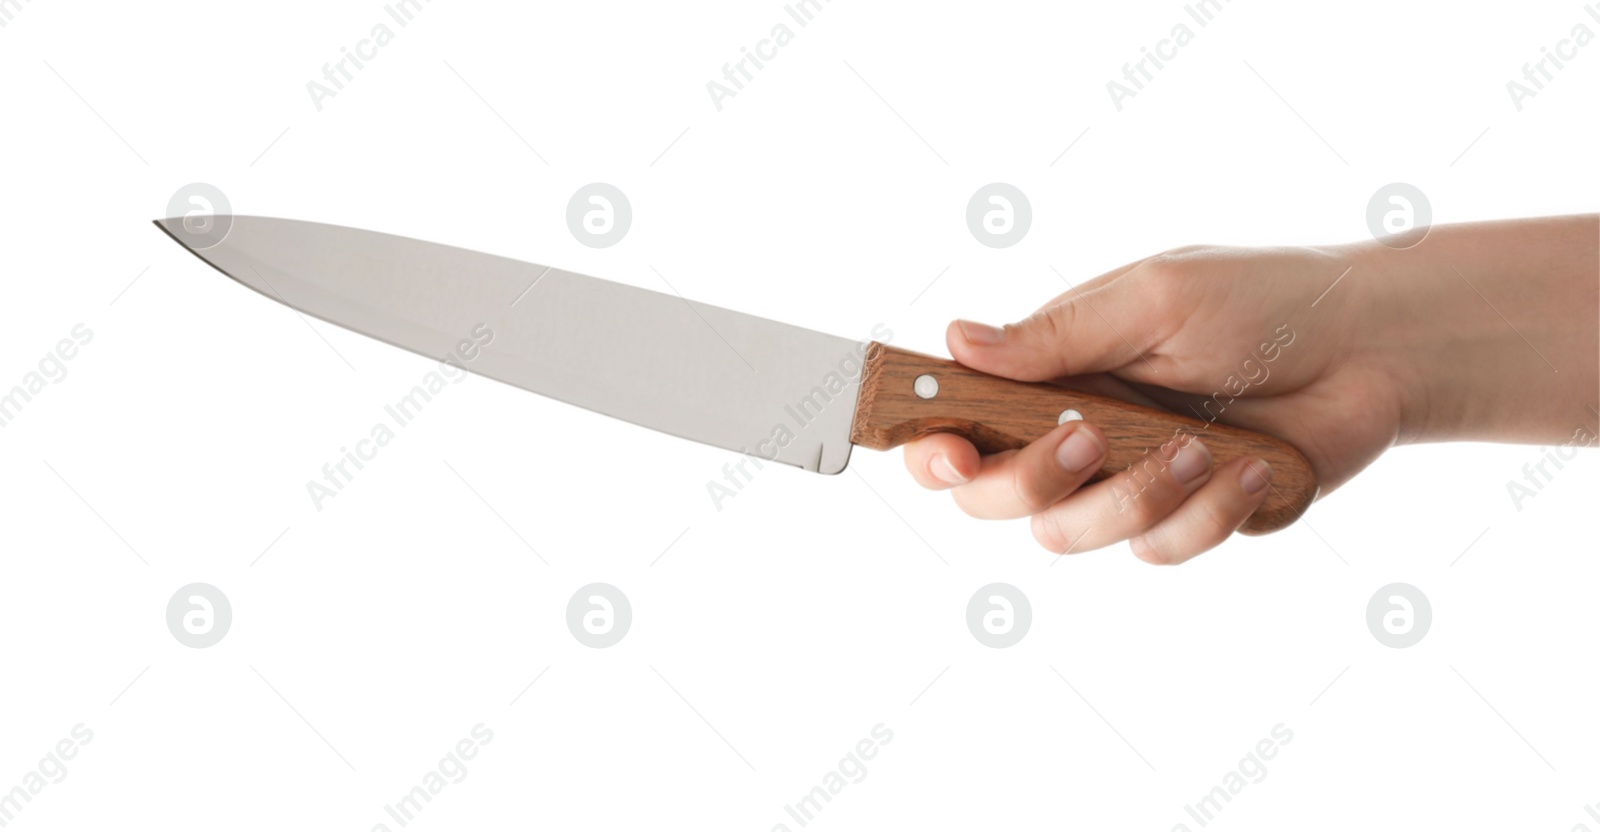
column 1102, row 330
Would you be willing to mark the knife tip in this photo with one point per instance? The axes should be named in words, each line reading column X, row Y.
column 170, row 226
column 196, row 233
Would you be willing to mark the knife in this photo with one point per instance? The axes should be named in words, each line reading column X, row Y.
column 723, row 378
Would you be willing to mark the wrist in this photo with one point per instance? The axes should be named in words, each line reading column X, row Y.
column 1401, row 338
column 1485, row 331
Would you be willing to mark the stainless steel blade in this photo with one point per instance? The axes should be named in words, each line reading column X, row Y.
column 712, row 375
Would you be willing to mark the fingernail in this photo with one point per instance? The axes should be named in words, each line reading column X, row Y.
column 1078, row 451
column 981, row 334
column 1192, row 461
column 1255, row 475
column 944, row 471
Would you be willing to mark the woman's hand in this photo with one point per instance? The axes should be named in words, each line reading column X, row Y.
column 1345, row 351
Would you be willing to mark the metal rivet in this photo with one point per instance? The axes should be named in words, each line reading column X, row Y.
column 925, row 386
column 1069, row 416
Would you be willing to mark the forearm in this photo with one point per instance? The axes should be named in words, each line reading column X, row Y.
column 1491, row 331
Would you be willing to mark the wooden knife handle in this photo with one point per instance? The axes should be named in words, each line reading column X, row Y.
column 997, row 414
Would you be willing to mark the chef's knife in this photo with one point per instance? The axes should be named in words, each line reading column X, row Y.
column 720, row 377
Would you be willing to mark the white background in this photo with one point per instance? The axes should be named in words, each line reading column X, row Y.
column 377, row 632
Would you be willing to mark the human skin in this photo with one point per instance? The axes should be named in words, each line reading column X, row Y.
column 1482, row 331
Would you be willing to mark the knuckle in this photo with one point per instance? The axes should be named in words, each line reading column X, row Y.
column 1147, row 505
column 1032, row 492
column 1047, row 331
column 1048, row 533
column 965, row 500
column 1166, row 277
column 1216, row 523
column 1187, row 263
column 1148, row 551
column 1191, row 250
column 1051, row 323
column 917, row 466
column 1164, row 268
column 1163, row 307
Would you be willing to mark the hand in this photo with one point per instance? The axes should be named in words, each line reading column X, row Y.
column 1371, row 345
